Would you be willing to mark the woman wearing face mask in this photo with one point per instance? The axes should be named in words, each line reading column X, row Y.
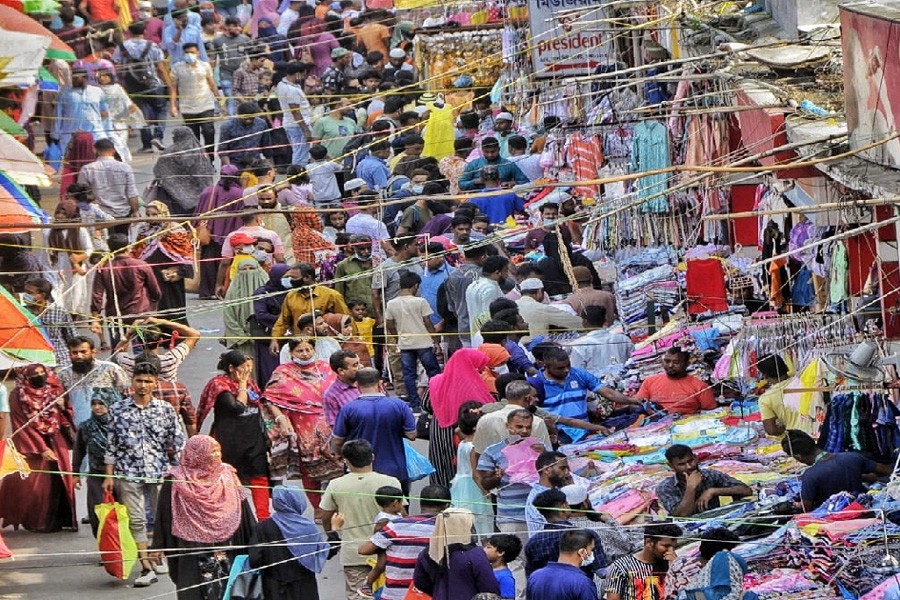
column 460, row 382
column 239, row 333
column 267, row 301
column 240, row 418
column 167, row 248
column 90, row 442
column 44, row 501
column 121, row 108
column 296, row 388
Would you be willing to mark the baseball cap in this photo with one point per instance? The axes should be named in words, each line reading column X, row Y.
column 531, row 284
column 339, row 52
column 504, row 116
column 575, row 494
column 398, row 53
column 241, row 239
column 354, row 184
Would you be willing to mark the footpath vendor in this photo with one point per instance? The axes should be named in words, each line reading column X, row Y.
column 676, row 391
column 776, row 417
column 692, row 489
column 829, row 472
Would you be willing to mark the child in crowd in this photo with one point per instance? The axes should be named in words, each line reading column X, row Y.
column 363, row 325
column 335, row 223
column 464, row 492
column 481, row 227
column 325, row 190
column 297, row 190
column 502, row 549
column 390, row 500
column 494, row 334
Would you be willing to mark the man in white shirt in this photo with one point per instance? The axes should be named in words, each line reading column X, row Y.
column 485, row 290
column 365, row 223
column 195, row 95
column 601, row 350
column 540, row 317
column 530, row 164
column 295, row 113
column 287, row 18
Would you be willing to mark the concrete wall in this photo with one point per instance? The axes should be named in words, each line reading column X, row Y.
column 791, row 14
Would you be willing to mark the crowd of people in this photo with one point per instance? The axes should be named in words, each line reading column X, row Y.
column 367, row 303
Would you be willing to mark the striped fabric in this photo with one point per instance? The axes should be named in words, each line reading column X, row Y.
column 403, row 540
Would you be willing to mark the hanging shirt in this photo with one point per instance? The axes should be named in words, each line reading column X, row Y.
column 651, row 152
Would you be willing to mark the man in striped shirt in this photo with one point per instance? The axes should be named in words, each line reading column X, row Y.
column 642, row 576
column 404, row 539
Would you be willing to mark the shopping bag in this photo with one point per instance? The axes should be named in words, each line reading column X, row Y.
column 417, row 465
column 53, row 155
column 118, row 550
column 413, row 593
column 244, row 583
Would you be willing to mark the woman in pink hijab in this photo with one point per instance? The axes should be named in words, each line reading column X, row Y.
column 462, row 381
column 263, row 9
column 201, row 505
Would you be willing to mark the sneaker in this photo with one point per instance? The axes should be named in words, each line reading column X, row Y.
column 157, row 143
column 162, row 568
column 146, row 579
column 366, row 591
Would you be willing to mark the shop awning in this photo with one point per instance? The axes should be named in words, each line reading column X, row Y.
column 21, row 55
column 13, row 21
column 20, row 163
column 33, row 6
column 9, row 126
column 17, row 207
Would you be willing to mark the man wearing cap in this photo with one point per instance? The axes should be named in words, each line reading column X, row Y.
column 334, row 79
column 295, row 113
column 396, row 63
column 355, row 188
column 585, row 295
column 503, row 130
column 509, row 173
column 541, row 317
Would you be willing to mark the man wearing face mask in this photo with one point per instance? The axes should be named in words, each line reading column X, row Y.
column 79, row 107
column 306, row 297
column 252, row 228
column 195, row 95
column 564, row 579
column 353, row 275
column 415, row 217
column 230, row 49
column 85, row 373
column 245, row 137
column 57, row 321
column 295, row 112
column 491, row 472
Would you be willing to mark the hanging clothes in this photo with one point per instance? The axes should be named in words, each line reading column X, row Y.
column 585, row 157
column 838, row 273
column 705, row 286
column 439, row 132
column 650, row 153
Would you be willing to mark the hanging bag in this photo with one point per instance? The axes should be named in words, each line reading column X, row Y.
column 244, row 583
column 417, row 466
column 118, row 551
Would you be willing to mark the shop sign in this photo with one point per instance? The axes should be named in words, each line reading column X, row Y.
column 568, row 37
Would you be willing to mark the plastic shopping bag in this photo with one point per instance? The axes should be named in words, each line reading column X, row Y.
column 118, row 550
column 53, row 155
column 244, row 583
column 417, row 465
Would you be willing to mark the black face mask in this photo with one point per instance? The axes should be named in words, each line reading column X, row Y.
column 37, row 381
column 296, row 283
column 532, row 409
column 82, row 365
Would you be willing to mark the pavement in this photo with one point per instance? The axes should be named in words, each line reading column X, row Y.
column 64, row 565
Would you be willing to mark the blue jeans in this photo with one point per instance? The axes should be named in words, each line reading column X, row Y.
column 299, row 145
column 231, row 102
column 155, row 106
column 410, row 359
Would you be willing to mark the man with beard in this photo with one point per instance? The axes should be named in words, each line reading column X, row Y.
column 553, row 473
column 86, row 373
column 275, row 220
column 643, row 575
column 674, row 390
column 353, row 275
column 691, row 489
column 306, row 297
column 343, row 390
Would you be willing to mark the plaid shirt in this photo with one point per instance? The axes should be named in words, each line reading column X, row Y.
column 337, row 395
column 58, row 324
column 333, row 79
column 176, row 394
column 245, row 83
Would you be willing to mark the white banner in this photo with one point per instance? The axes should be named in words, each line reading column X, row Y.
column 569, row 37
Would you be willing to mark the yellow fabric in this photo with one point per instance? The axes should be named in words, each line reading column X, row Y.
column 408, row 4
column 439, row 134
column 127, row 546
column 11, row 461
column 771, row 406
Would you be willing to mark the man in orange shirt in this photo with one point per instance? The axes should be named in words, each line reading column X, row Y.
column 374, row 35
column 675, row 390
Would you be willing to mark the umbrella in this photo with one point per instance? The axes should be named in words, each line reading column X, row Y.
column 13, row 20
column 21, row 55
column 17, row 207
column 33, row 6
column 22, row 341
column 20, row 163
column 8, row 125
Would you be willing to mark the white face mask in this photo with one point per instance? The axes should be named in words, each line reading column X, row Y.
column 190, row 58
column 588, row 560
column 304, row 363
column 513, row 438
column 146, row 14
column 247, row 249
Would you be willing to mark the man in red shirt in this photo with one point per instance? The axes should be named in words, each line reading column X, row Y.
column 675, row 390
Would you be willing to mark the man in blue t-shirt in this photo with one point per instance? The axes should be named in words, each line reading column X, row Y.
column 563, row 390
column 829, row 472
column 497, row 207
column 564, row 579
column 384, row 422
